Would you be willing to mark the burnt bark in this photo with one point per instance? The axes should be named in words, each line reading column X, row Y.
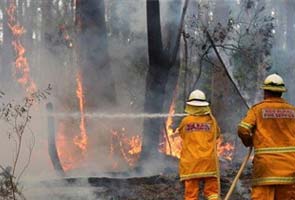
column 52, row 150
column 156, row 80
column 161, row 61
column 92, row 47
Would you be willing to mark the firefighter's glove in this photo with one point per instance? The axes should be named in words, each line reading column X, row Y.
column 247, row 141
column 246, row 136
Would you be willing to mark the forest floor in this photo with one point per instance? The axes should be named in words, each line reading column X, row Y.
column 156, row 187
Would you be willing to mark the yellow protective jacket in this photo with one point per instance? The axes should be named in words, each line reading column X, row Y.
column 272, row 123
column 198, row 155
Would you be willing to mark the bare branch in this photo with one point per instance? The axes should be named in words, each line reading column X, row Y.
column 17, row 117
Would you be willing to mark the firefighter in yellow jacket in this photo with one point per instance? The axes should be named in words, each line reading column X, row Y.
column 269, row 126
column 198, row 160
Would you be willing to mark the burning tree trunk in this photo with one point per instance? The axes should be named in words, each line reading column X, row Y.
column 93, row 54
column 21, row 64
column 160, row 64
column 156, row 80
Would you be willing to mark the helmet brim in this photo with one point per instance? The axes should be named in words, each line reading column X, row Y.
column 274, row 88
column 197, row 103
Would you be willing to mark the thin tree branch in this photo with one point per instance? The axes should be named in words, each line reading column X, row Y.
column 167, row 138
column 180, row 28
column 185, row 66
column 31, row 147
column 225, row 68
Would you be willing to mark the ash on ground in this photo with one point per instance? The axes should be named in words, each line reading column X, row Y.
column 157, row 187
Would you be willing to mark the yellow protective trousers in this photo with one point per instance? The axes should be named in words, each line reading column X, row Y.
column 273, row 192
column 191, row 190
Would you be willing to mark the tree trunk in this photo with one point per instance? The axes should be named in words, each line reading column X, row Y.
column 156, row 80
column 280, row 39
column 7, row 50
column 220, row 95
column 29, row 14
column 52, row 150
column 160, row 64
column 173, row 43
column 290, row 44
column 94, row 64
column 290, row 25
column 20, row 11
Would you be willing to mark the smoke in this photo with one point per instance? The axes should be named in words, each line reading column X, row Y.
column 53, row 60
column 61, row 189
column 128, row 47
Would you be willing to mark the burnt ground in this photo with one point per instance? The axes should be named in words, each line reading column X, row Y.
column 157, row 187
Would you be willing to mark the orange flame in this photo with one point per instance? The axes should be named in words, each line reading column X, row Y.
column 172, row 143
column 135, row 145
column 81, row 140
column 225, row 149
column 22, row 69
column 127, row 147
column 64, row 148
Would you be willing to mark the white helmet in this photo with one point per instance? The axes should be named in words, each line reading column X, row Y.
column 197, row 98
column 274, row 83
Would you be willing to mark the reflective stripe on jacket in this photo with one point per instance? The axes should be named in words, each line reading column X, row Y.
column 272, row 123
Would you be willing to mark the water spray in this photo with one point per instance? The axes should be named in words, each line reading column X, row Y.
column 101, row 115
column 51, row 115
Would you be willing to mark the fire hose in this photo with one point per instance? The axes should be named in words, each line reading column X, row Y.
column 232, row 187
column 243, row 165
column 234, row 183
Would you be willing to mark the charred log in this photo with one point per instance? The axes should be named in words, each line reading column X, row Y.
column 52, row 150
